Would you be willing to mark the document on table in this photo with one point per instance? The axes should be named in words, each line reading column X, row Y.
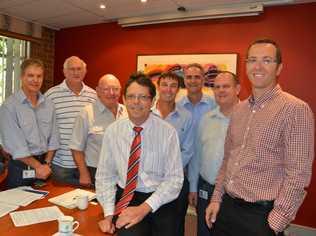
column 34, row 216
column 5, row 208
column 69, row 199
column 11, row 199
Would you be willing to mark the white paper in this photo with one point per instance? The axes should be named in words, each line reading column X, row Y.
column 19, row 197
column 34, row 216
column 69, row 199
column 6, row 208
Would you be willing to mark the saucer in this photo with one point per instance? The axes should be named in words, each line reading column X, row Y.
column 59, row 234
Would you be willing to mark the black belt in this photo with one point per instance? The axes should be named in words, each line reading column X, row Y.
column 264, row 203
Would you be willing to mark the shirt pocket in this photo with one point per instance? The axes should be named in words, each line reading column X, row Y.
column 153, row 164
column 96, row 133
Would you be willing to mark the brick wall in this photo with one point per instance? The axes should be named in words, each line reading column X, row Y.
column 45, row 50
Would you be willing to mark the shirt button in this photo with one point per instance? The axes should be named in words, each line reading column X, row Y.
column 231, row 182
column 236, row 163
column 243, row 146
column 253, row 111
column 248, row 128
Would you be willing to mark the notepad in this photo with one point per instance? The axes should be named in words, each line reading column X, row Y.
column 69, row 199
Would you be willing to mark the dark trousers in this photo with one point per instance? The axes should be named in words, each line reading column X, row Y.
column 238, row 217
column 65, row 175
column 159, row 223
column 182, row 207
column 202, row 229
column 15, row 173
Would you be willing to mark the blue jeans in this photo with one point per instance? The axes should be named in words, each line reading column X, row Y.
column 65, row 175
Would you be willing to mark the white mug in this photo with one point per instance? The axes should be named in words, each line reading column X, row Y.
column 67, row 225
column 82, row 201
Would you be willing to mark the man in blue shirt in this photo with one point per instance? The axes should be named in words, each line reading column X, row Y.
column 210, row 141
column 28, row 128
column 197, row 103
column 168, row 86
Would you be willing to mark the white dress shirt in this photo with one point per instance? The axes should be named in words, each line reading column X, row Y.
column 160, row 169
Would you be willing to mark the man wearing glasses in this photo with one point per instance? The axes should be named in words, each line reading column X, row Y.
column 140, row 173
column 90, row 124
column 269, row 152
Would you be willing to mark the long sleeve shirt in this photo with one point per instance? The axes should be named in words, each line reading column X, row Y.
column 160, row 171
column 209, row 143
column 27, row 130
column 182, row 121
column 269, row 151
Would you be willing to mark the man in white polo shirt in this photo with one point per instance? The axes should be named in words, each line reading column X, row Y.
column 69, row 98
column 86, row 140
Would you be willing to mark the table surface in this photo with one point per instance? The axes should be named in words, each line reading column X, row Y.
column 88, row 218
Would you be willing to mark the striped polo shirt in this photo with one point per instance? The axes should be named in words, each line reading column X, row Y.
column 68, row 106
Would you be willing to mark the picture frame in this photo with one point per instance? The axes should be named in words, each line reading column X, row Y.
column 154, row 65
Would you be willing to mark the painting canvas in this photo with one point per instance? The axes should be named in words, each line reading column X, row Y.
column 154, row 65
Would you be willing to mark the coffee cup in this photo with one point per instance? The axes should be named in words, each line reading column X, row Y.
column 82, row 201
column 67, row 225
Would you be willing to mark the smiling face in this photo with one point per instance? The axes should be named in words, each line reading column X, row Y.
column 168, row 89
column 32, row 79
column 262, row 67
column 109, row 90
column 226, row 90
column 75, row 71
column 194, row 80
column 138, row 102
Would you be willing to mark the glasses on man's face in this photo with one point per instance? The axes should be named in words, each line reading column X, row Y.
column 140, row 97
column 265, row 61
column 108, row 89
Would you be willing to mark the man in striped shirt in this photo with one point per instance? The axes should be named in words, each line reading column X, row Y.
column 69, row 98
column 269, row 151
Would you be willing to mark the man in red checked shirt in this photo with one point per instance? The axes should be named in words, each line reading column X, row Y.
column 269, row 152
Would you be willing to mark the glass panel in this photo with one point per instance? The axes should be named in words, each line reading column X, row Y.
column 12, row 53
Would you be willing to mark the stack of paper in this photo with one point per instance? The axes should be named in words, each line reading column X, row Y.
column 69, row 199
column 11, row 199
column 34, row 216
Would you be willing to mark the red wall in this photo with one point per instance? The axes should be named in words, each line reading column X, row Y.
column 108, row 48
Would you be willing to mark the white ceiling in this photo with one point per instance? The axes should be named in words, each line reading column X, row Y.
column 59, row 14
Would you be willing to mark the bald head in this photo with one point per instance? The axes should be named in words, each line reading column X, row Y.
column 109, row 90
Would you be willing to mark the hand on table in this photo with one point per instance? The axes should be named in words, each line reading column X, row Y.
column 42, row 171
column 106, row 225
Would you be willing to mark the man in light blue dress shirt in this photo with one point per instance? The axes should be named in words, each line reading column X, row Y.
column 210, row 144
column 168, row 86
column 197, row 103
column 28, row 128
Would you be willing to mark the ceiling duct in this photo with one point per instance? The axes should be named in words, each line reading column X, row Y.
column 224, row 12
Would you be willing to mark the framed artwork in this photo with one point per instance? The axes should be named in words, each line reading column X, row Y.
column 154, row 65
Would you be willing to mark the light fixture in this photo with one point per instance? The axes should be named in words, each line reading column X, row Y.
column 214, row 13
column 143, row 1
column 102, row 6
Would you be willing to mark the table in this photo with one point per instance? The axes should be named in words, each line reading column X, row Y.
column 88, row 218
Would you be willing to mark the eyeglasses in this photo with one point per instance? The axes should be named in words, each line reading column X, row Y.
column 264, row 61
column 140, row 97
column 114, row 89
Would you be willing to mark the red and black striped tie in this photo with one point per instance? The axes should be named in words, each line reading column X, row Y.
column 132, row 173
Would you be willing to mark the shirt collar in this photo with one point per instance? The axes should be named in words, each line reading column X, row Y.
column 121, row 111
column 204, row 99
column 156, row 111
column 144, row 125
column 217, row 113
column 64, row 86
column 23, row 99
column 267, row 96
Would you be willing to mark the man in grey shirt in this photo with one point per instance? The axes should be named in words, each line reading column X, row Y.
column 86, row 140
column 28, row 128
